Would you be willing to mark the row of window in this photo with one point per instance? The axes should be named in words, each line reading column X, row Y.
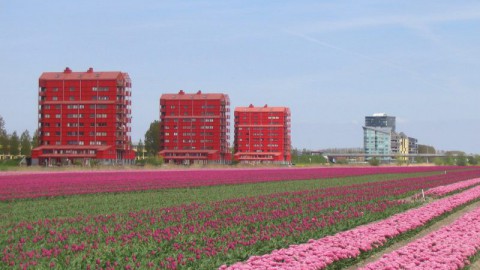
column 256, row 117
column 72, row 88
column 186, row 106
column 71, row 98
column 74, row 115
column 260, row 139
column 257, row 145
column 191, row 141
column 77, row 124
column 189, row 148
column 190, row 113
column 76, row 133
column 167, row 120
column 76, row 143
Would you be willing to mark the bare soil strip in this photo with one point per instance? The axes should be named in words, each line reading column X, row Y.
column 437, row 225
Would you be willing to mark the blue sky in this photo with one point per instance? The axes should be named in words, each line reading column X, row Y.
column 331, row 62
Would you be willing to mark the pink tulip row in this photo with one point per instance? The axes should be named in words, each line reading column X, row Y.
column 318, row 254
column 17, row 186
column 447, row 248
column 443, row 190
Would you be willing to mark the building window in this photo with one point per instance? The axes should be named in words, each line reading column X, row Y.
column 100, row 98
column 100, row 89
column 98, row 115
column 54, row 98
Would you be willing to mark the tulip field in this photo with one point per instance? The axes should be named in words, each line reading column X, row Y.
column 34, row 185
column 225, row 219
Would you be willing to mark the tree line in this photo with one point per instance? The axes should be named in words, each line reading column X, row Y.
column 12, row 144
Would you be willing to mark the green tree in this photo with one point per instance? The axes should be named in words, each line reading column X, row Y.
column 374, row 162
column 25, row 143
column 420, row 159
column 14, row 144
column 473, row 160
column 449, row 160
column 439, row 161
column 152, row 139
column 426, row 149
column 140, row 148
column 461, row 160
column 4, row 144
column 35, row 142
column 3, row 131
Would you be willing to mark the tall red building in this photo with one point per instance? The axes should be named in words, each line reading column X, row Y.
column 194, row 128
column 84, row 116
column 262, row 134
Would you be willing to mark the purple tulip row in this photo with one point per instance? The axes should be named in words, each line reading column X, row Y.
column 318, row 254
column 443, row 190
column 34, row 185
column 447, row 248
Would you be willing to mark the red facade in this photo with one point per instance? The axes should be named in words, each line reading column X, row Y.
column 262, row 134
column 83, row 116
column 194, row 128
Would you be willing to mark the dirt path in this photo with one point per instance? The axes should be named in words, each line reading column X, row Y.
column 451, row 218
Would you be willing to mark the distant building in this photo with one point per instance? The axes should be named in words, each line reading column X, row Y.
column 194, row 128
column 377, row 141
column 395, row 143
column 404, row 145
column 381, row 138
column 262, row 135
column 412, row 145
column 377, row 135
column 84, row 116
column 380, row 120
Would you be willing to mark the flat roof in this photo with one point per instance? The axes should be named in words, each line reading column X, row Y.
column 181, row 95
column 265, row 108
column 90, row 74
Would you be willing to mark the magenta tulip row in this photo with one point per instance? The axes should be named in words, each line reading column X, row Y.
column 443, row 190
column 447, row 248
column 16, row 186
column 318, row 254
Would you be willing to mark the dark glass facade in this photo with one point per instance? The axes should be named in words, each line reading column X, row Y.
column 383, row 121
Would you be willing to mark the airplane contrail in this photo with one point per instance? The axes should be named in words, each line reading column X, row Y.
column 366, row 57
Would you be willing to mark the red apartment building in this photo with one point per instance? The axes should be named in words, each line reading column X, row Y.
column 84, row 116
column 194, row 128
column 262, row 134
